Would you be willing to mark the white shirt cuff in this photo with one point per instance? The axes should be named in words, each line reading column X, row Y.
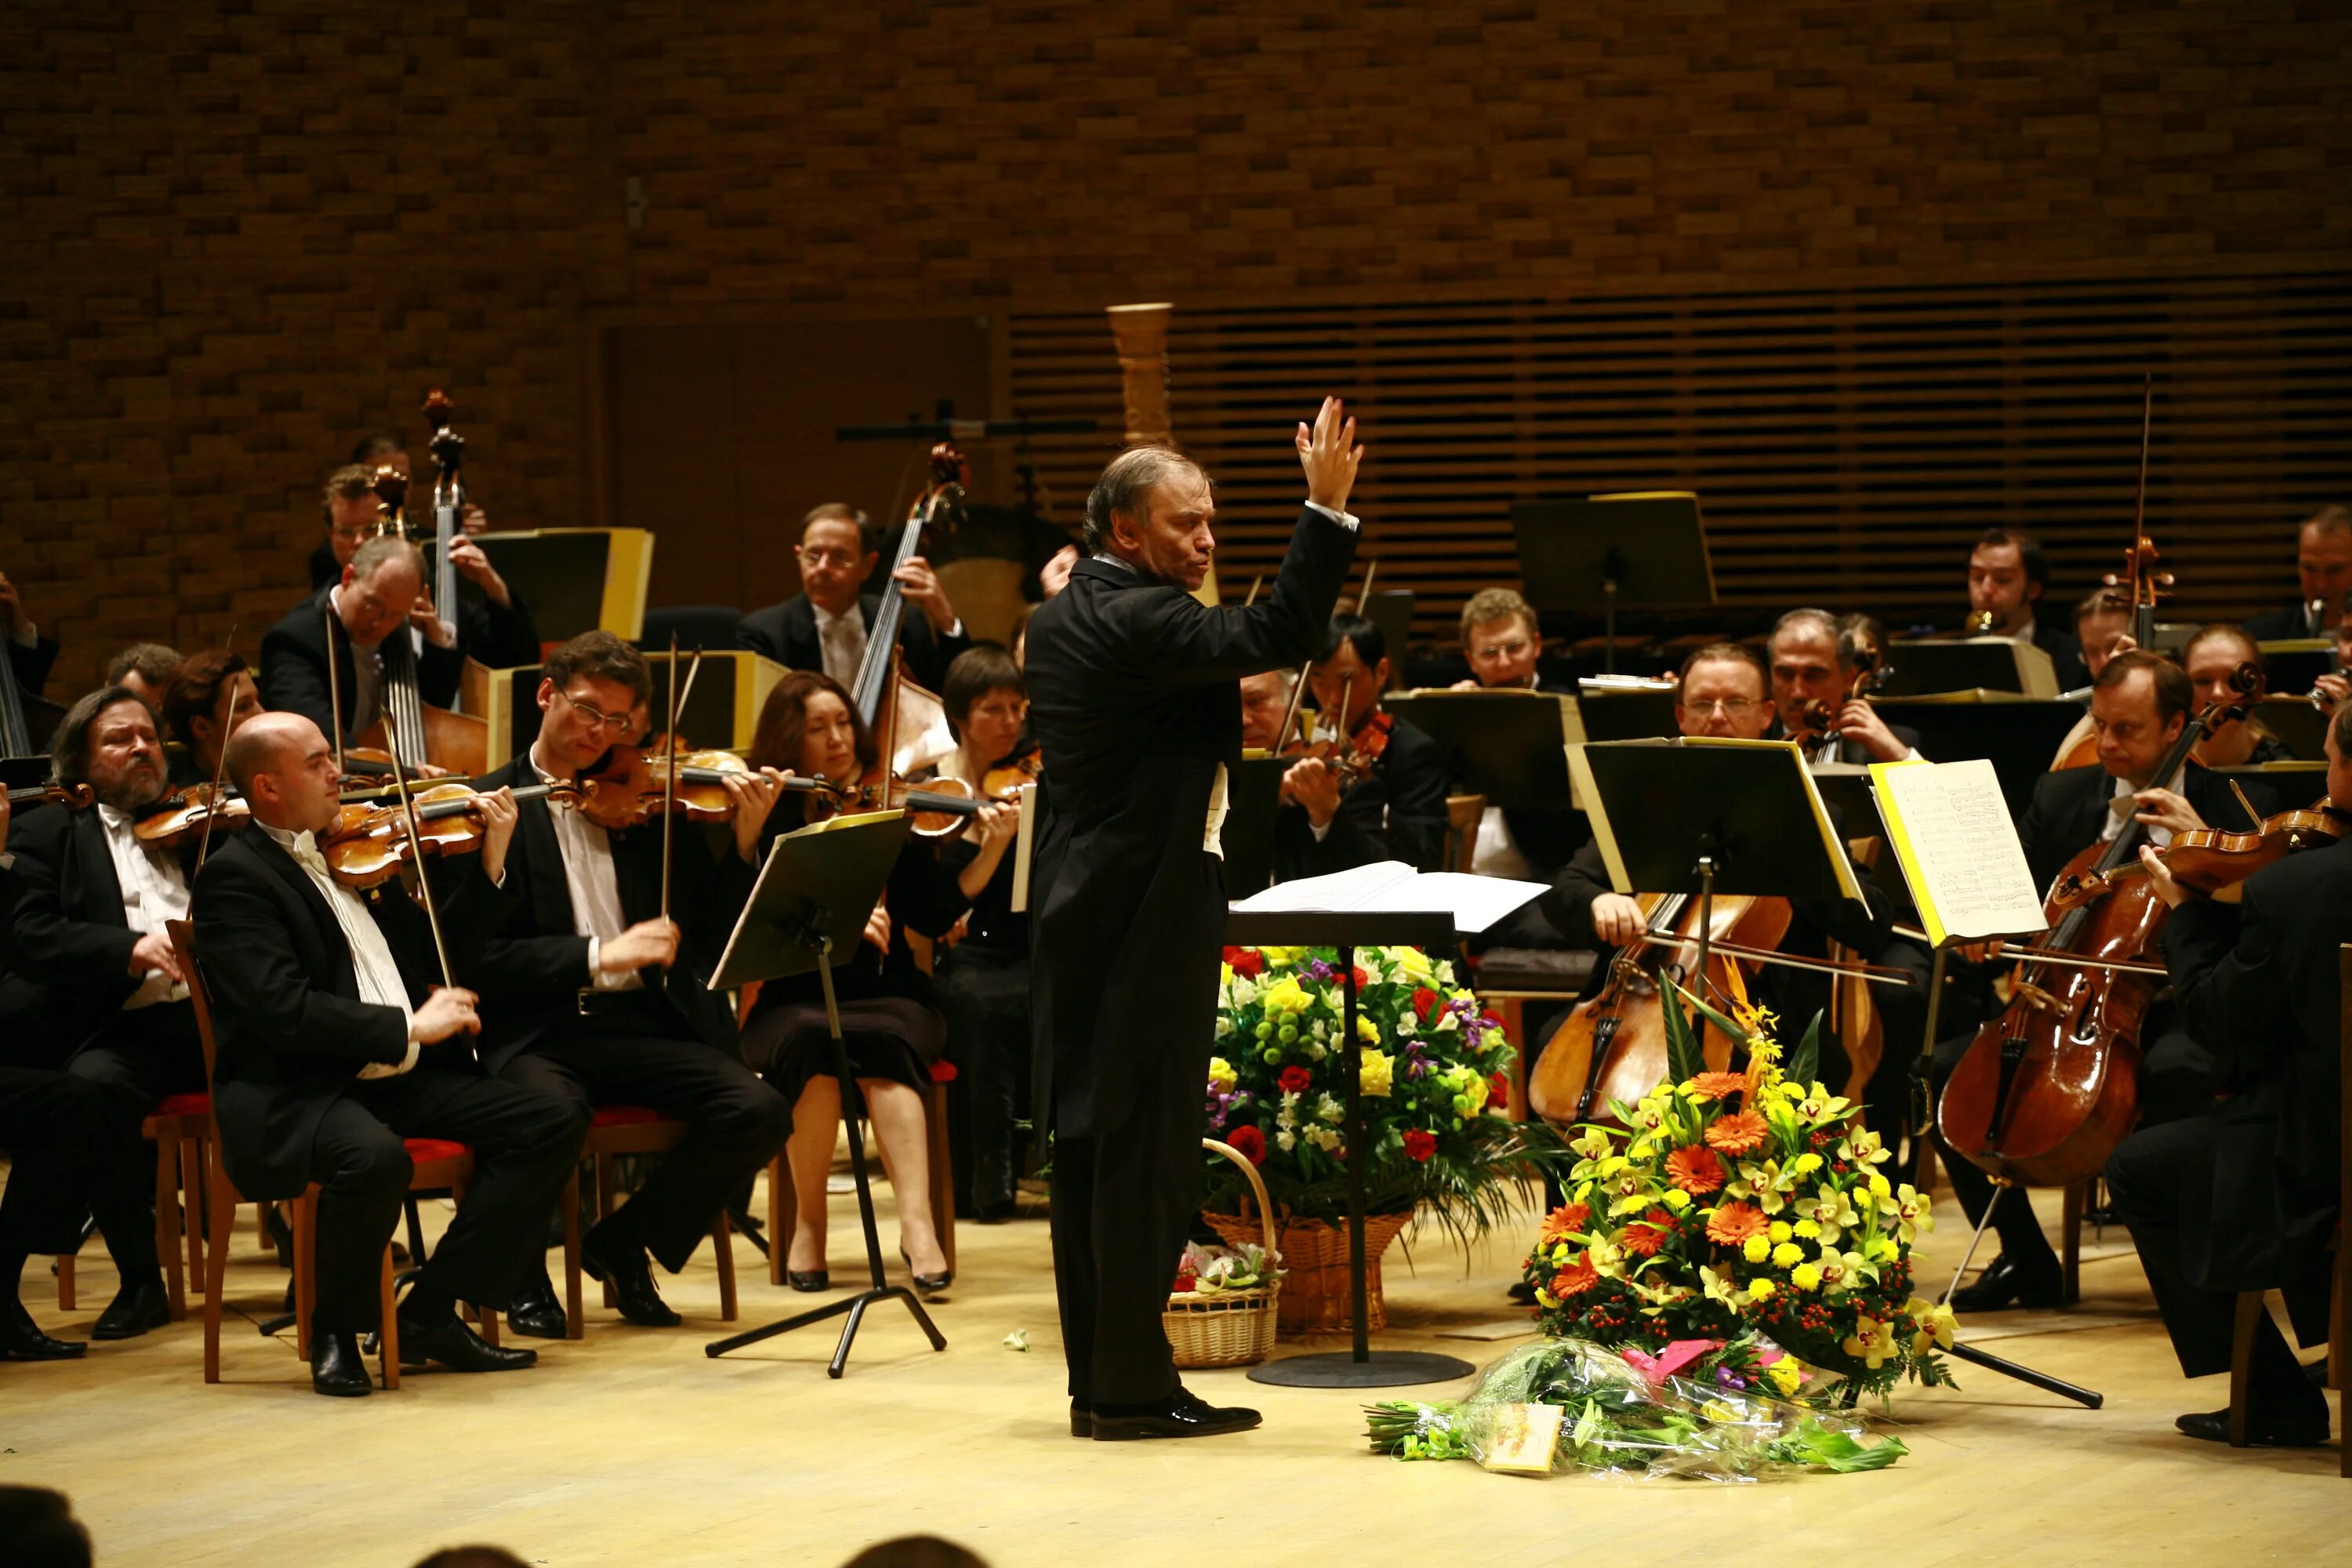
column 408, row 1062
column 1322, row 832
column 595, row 944
column 29, row 635
column 956, row 630
column 7, row 862
column 1347, row 520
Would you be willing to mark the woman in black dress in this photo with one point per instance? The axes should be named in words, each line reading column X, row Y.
column 893, row 1031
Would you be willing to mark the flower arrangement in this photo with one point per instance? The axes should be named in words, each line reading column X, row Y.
column 1433, row 1078
column 1219, row 1270
column 1742, row 1204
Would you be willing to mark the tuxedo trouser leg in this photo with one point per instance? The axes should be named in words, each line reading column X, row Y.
column 525, row 1143
column 2021, row 1241
column 138, row 1058
column 362, row 1168
column 1072, row 1225
column 1147, row 1184
column 52, row 1124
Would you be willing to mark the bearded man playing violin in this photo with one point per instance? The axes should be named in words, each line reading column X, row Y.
column 584, row 995
column 2138, row 705
column 1393, row 805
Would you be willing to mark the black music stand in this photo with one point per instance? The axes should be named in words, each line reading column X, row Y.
column 1959, row 664
column 1609, row 551
column 1510, row 745
column 1359, row 1367
column 2019, row 737
column 812, row 900
column 1628, row 713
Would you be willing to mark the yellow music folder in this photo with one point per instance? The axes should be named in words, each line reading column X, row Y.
column 1949, row 827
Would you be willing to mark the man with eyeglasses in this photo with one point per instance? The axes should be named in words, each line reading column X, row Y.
column 590, row 992
column 1500, row 640
column 824, row 626
column 497, row 630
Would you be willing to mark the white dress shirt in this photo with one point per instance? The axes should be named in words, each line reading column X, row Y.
column 367, row 672
column 1496, row 853
column 153, row 891
column 381, row 985
column 588, row 876
column 2161, row 837
column 841, row 640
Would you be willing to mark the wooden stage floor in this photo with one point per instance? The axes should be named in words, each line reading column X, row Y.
column 633, row 1448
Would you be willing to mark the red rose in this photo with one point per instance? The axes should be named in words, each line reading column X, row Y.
column 1250, row 1142
column 1424, row 1001
column 1420, row 1145
column 1183, row 1287
column 1295, row 1079
column 1361, row 978
column 1246, row 961
column 1499, row 1089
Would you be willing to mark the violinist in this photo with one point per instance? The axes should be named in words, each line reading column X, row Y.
column 890, row 1017
column 209, row 695
column 497, row 632
column 1395, row 808
column 335, row 1045
column 592, row 993
column 984, row 978
column 1813, row 663
column 89, row 928
column 2007, row 576
column 143, row 669
column 2245, row 1196
column 824, row 626
column 380, row 594
column 2138, row 705
column 2323, row 566
column 1265, row 699
column 30, row 654
column 2211, row 657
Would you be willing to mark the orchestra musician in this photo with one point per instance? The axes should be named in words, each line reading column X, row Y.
column 2245, row 1196
column 1810, row 664
column 30, row 654
column 1265, row 699
column 2211, row 657
column 1396, row 811
column 347, row 531
column 2328, row 692
column 2323, row 566
column 61, row 1141
column 143, row 669
column 1530, row 844
column 334, row 1047
column 1131, row 685
column 2138, row 704
column 2103, row 623
column 2008, row 574
column 497, row 632
column 380, row 594
column 210, row 694
column 90, row 930
column 823, row 626
column 591, row 991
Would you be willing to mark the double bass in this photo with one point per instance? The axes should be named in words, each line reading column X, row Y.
column 2046, row 1090
column 459, row 742
column 899, row 712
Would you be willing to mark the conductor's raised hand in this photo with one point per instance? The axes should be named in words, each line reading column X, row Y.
column 1330, row 454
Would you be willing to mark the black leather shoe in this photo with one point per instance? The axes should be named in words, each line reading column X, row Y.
column 632, row 1279
column 2264, row 1429
column 1082, row 1420
column 1181, row 1415
column 815, row 1280
column 134, row 1309
column 2004, row 1285
column 457, row 1347
column 21, row 1338
column 337, row 1368
column 535, row 1311
column 928, row 1284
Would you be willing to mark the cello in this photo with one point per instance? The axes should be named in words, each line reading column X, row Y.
column 459, row 742
column 2046, row 1090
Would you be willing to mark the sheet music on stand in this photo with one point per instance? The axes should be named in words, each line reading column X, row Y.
column 1949, row 828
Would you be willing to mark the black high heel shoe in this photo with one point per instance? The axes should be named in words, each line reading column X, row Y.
column 930, row 1284
column 814, row 1280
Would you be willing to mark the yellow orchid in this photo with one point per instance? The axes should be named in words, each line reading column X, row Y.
column 1862, row 1147
column 1820, row 1105
column 1593, row 1143
column 1717, row 1286
column 1607, row 1257
column 1829, row 1209
column 1873, row 1341
column 1936, row 1325
column 1842, row 1271
column 1912, row 1213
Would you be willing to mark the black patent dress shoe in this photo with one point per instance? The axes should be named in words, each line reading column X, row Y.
column 1082, row 1420
column 452, row 1343
column 337, row 1368
column 1181, row 1415
column 2004, row 1285
column 21, row 1338
column 2264, row 1428
column 632, row 1279
column 535, row 1311
column 811, row 1280
column 928, row 1284
column 134, row 1309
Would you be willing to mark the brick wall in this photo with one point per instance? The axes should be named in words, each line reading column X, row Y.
column 235, row 241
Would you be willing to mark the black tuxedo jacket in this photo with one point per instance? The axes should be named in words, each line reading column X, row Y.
column 31, row 667
column 787, row 634
column 290, row 1032
column 2069, row 810
column 2260, row 989
column 2065, row 653
column 501, row 637
column 529, row 974
column 2286, row 622
column 1134, row 689
column 70, row 936
column 1397, row 812
column 294, row 657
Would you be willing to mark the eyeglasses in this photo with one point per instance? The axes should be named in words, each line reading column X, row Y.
column 1729, row 707
column 595, row 717
column 840, row 558
column 1493, row 651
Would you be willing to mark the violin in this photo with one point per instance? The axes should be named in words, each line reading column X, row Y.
column 939, row 807
column 369, row 845
column 183, row 814
column 1349, row 756
column 2045, row 1091
column 74, row 797
column 627, row 786
column 2205, row 859
column 1002, row 783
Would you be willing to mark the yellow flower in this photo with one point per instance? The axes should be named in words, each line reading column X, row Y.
column 1883, row 1248
column 1874, row 1341
column 1221, row 1074
column 1717, row 1287
column 1806, row 1163
column 1864, row 1148
column 1367, row 1030
column 1911, row 1213
column 1375, row 1074
column 1612, row 1165
column 1842, row 1271
column 1787, row 1375
column 1413, row 963
column 1755, row 1248
column 1593, row 1143
column 1805, row 1277
column 1760, row 1289
column 1879, row 1186
column 1283, row 955
column 1285, row 995
column 1676, row 1199
column 1809, row 1229
column 1829, row 1209
column 1936, row 1325
column 1788, row 1255
column 1606, row 1257
column 1224, row 974
column 1780, row 1230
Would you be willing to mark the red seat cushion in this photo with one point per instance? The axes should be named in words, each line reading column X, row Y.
column 623, row 1116
column 422, row 1151
column 943, row 1072
column 185, row 1105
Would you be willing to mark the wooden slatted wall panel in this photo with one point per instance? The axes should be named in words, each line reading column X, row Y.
column 1846, row 446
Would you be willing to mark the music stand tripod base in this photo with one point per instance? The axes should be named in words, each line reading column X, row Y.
column 1380, row 1369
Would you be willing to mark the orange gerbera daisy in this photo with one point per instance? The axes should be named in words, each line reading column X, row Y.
column 1644, row 1239
column 1734, row 1223
column 1564, row 1222
column 1738, row 1132
column 1718, row 1085
column 1574, row 1280
column 1695, row 1171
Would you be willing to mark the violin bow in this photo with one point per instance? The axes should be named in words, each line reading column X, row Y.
column 669, row 774
column 1255, row 584
column 416, row 855
column 220, row 763
column 335, row 690
column 1290, row 714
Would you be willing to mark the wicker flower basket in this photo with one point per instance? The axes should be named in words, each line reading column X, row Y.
column 1232, row 1328
column 1316, row 1298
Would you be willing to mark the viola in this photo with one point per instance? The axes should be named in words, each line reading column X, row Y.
column 1351, row 757
column 1819, row 719
column 2205, row 860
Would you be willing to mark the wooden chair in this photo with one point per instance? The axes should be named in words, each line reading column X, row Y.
column 437, row 1164
column 2247, row 1324
column 178, row 1128
column 615, row 1130
column 1463, row 814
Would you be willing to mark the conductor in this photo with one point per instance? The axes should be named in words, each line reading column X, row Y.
column 1135, row 694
